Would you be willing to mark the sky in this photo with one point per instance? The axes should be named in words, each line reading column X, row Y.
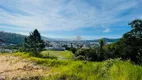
column 90, row 19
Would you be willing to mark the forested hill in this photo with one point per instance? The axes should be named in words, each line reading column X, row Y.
column 11, row 38
column 105, row 39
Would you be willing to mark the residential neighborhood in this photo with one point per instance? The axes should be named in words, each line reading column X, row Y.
column 60, row 45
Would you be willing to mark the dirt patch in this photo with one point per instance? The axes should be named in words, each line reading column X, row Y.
column 16, row 67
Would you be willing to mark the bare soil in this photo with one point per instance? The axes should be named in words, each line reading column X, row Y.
column 12, row 67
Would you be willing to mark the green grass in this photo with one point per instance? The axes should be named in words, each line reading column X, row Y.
column 107, row 70
column 113, row 69
column 81, row 70
column 58, row 54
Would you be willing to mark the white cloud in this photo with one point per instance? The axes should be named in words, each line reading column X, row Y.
column 54, row 15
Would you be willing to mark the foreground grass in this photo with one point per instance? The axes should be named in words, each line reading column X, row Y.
column 82, row 70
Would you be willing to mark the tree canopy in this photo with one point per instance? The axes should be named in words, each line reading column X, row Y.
column 33, row 43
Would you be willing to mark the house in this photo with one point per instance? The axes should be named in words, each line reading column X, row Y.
column 55, row 46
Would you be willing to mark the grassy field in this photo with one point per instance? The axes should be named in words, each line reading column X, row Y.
column 113, row 69
column 59, row 54
column 82, row 70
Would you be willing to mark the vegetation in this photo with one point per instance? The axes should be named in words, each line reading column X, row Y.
column 128, row 47
column 113, row 69
column 67, row 55
column 107, row 70
column 33, row 43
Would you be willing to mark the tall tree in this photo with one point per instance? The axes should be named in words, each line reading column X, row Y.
column 130, row 45
column 101, row 50
column 33, row 43
column 101, row 43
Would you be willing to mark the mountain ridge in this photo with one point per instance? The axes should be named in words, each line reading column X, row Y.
column 14, row 38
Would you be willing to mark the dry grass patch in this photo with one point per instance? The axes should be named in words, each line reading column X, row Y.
column 17, row 67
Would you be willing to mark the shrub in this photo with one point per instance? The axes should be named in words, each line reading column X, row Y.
column 80, row 57
column 86, row 54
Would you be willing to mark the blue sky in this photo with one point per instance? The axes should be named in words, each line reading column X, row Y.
column 90, row 19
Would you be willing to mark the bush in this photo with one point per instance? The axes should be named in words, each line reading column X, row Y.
column 86, row 54
column 73, row 50
column 80, row 57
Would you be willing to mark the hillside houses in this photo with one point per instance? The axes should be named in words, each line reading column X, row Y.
column 60, row 45
column 54, row 46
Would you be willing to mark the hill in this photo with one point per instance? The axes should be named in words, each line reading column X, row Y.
column 13, row 38
column 105, row 39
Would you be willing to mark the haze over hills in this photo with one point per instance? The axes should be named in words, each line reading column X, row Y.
column 13, row 38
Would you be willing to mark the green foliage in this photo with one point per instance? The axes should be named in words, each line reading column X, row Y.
column 73, row 50
column 107, row 70
column 92, row 54
column 23, row 54
column 34, row 43
column 66, row 47
column 43, row 55
column 80, row 57
column 130, row 45
column 86, row 54
column 113, row 69
column 101, row 43
column 41, row 60
column 11, row 47
column 136, row 25
column 67, row 55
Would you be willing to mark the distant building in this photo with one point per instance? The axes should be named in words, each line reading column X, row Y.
column 55, row 46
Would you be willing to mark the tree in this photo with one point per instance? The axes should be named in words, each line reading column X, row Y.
column 136, row 27
column 101, row 43
column 134, row 40
column 130, row 45
column 101, row 50
column 33, row 43
column 73, row 49
column 136, row 24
